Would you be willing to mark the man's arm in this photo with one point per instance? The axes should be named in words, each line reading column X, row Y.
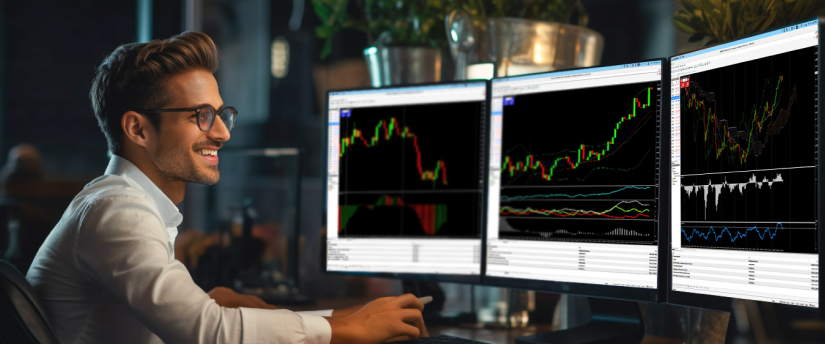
column 122, row 245
column 228, row 298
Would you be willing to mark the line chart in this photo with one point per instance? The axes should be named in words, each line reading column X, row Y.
column 621, row 190
column 620, row 210
column 779, row 237
column 711, row 233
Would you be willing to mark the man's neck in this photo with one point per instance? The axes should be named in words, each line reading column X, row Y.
column 174, row 189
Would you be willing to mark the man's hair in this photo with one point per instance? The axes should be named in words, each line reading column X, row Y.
column 134, row 76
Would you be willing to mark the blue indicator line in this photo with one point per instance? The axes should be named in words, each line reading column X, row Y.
column 711, row 233
column 577, row 195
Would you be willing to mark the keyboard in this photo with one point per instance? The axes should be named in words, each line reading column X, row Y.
column 442, row 339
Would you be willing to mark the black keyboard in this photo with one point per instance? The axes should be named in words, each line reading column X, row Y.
column 442, row 339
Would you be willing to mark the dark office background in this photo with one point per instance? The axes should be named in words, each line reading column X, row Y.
column 49, row 50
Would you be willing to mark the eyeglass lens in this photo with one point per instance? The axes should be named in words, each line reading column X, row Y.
column 206, row 117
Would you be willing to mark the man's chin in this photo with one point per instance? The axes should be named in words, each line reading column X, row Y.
column 208, row 178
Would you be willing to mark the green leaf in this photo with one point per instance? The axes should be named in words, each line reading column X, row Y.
column 683, row 25
column 323, row 31
column 322, row 10
column 688, row 5
column 327, row 49
column 768, row 22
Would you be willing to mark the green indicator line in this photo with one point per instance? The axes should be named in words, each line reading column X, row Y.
column 570, row 212
column 577, row 195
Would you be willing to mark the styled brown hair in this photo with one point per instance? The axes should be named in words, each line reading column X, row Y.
column 133, row 77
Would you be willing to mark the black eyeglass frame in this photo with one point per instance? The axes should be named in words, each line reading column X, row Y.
column 216, row 113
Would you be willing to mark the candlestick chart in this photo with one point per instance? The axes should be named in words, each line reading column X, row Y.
column 540, row 159
column 411, row 170
column 748, row 154
column 581, row 165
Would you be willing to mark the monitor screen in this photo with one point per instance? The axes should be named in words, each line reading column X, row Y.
column 744, row 128
column 404, row 179
column 573, row 189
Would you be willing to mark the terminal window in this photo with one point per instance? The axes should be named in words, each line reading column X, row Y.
column 573, row 194
column 745, row 169
column 405, row 179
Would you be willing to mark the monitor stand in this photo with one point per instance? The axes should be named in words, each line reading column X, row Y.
column 611, row 321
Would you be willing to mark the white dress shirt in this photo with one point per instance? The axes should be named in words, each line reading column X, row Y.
column 107, row 274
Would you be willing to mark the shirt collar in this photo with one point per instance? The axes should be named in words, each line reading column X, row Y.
column 169, row 212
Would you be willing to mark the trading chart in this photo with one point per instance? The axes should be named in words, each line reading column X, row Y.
column 748, row 155
column 411, row 171
column 585, row 168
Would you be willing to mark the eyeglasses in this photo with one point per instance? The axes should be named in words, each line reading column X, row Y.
column 206, row 115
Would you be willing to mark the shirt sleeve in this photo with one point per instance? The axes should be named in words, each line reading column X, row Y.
column 323, row 313
column 122, row 245
column 316, row 329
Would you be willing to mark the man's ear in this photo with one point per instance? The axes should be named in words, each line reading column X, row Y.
column 137, row 128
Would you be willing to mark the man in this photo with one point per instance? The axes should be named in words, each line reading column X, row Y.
column 107, row 272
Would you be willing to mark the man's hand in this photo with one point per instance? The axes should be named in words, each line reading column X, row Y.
column 388, row 318
column 228, row 298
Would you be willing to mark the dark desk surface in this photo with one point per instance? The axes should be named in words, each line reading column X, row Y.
column 509, row 336
column 489, row 335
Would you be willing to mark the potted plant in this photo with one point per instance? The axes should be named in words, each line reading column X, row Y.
column 405, row 36
column 725, row 20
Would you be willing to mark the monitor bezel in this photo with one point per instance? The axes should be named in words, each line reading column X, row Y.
column 596, row 290
column 450, row 278
column 725, row 303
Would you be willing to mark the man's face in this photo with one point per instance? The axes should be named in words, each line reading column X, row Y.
column 179, row 151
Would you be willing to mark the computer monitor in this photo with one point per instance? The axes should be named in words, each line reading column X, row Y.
column 745, row 182
column 404, row 188
column 573, row 192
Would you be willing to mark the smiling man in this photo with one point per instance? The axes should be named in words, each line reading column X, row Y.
column 107, row 272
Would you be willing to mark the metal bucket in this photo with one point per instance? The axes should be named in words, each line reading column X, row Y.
column 518, row 46
column 390, row 65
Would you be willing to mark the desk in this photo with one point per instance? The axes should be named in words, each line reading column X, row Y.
column 509, row 336
column 489, row 335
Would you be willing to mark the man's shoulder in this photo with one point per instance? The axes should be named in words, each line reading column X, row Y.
column 111, row 187
column 113, row 203
column 111, row 193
